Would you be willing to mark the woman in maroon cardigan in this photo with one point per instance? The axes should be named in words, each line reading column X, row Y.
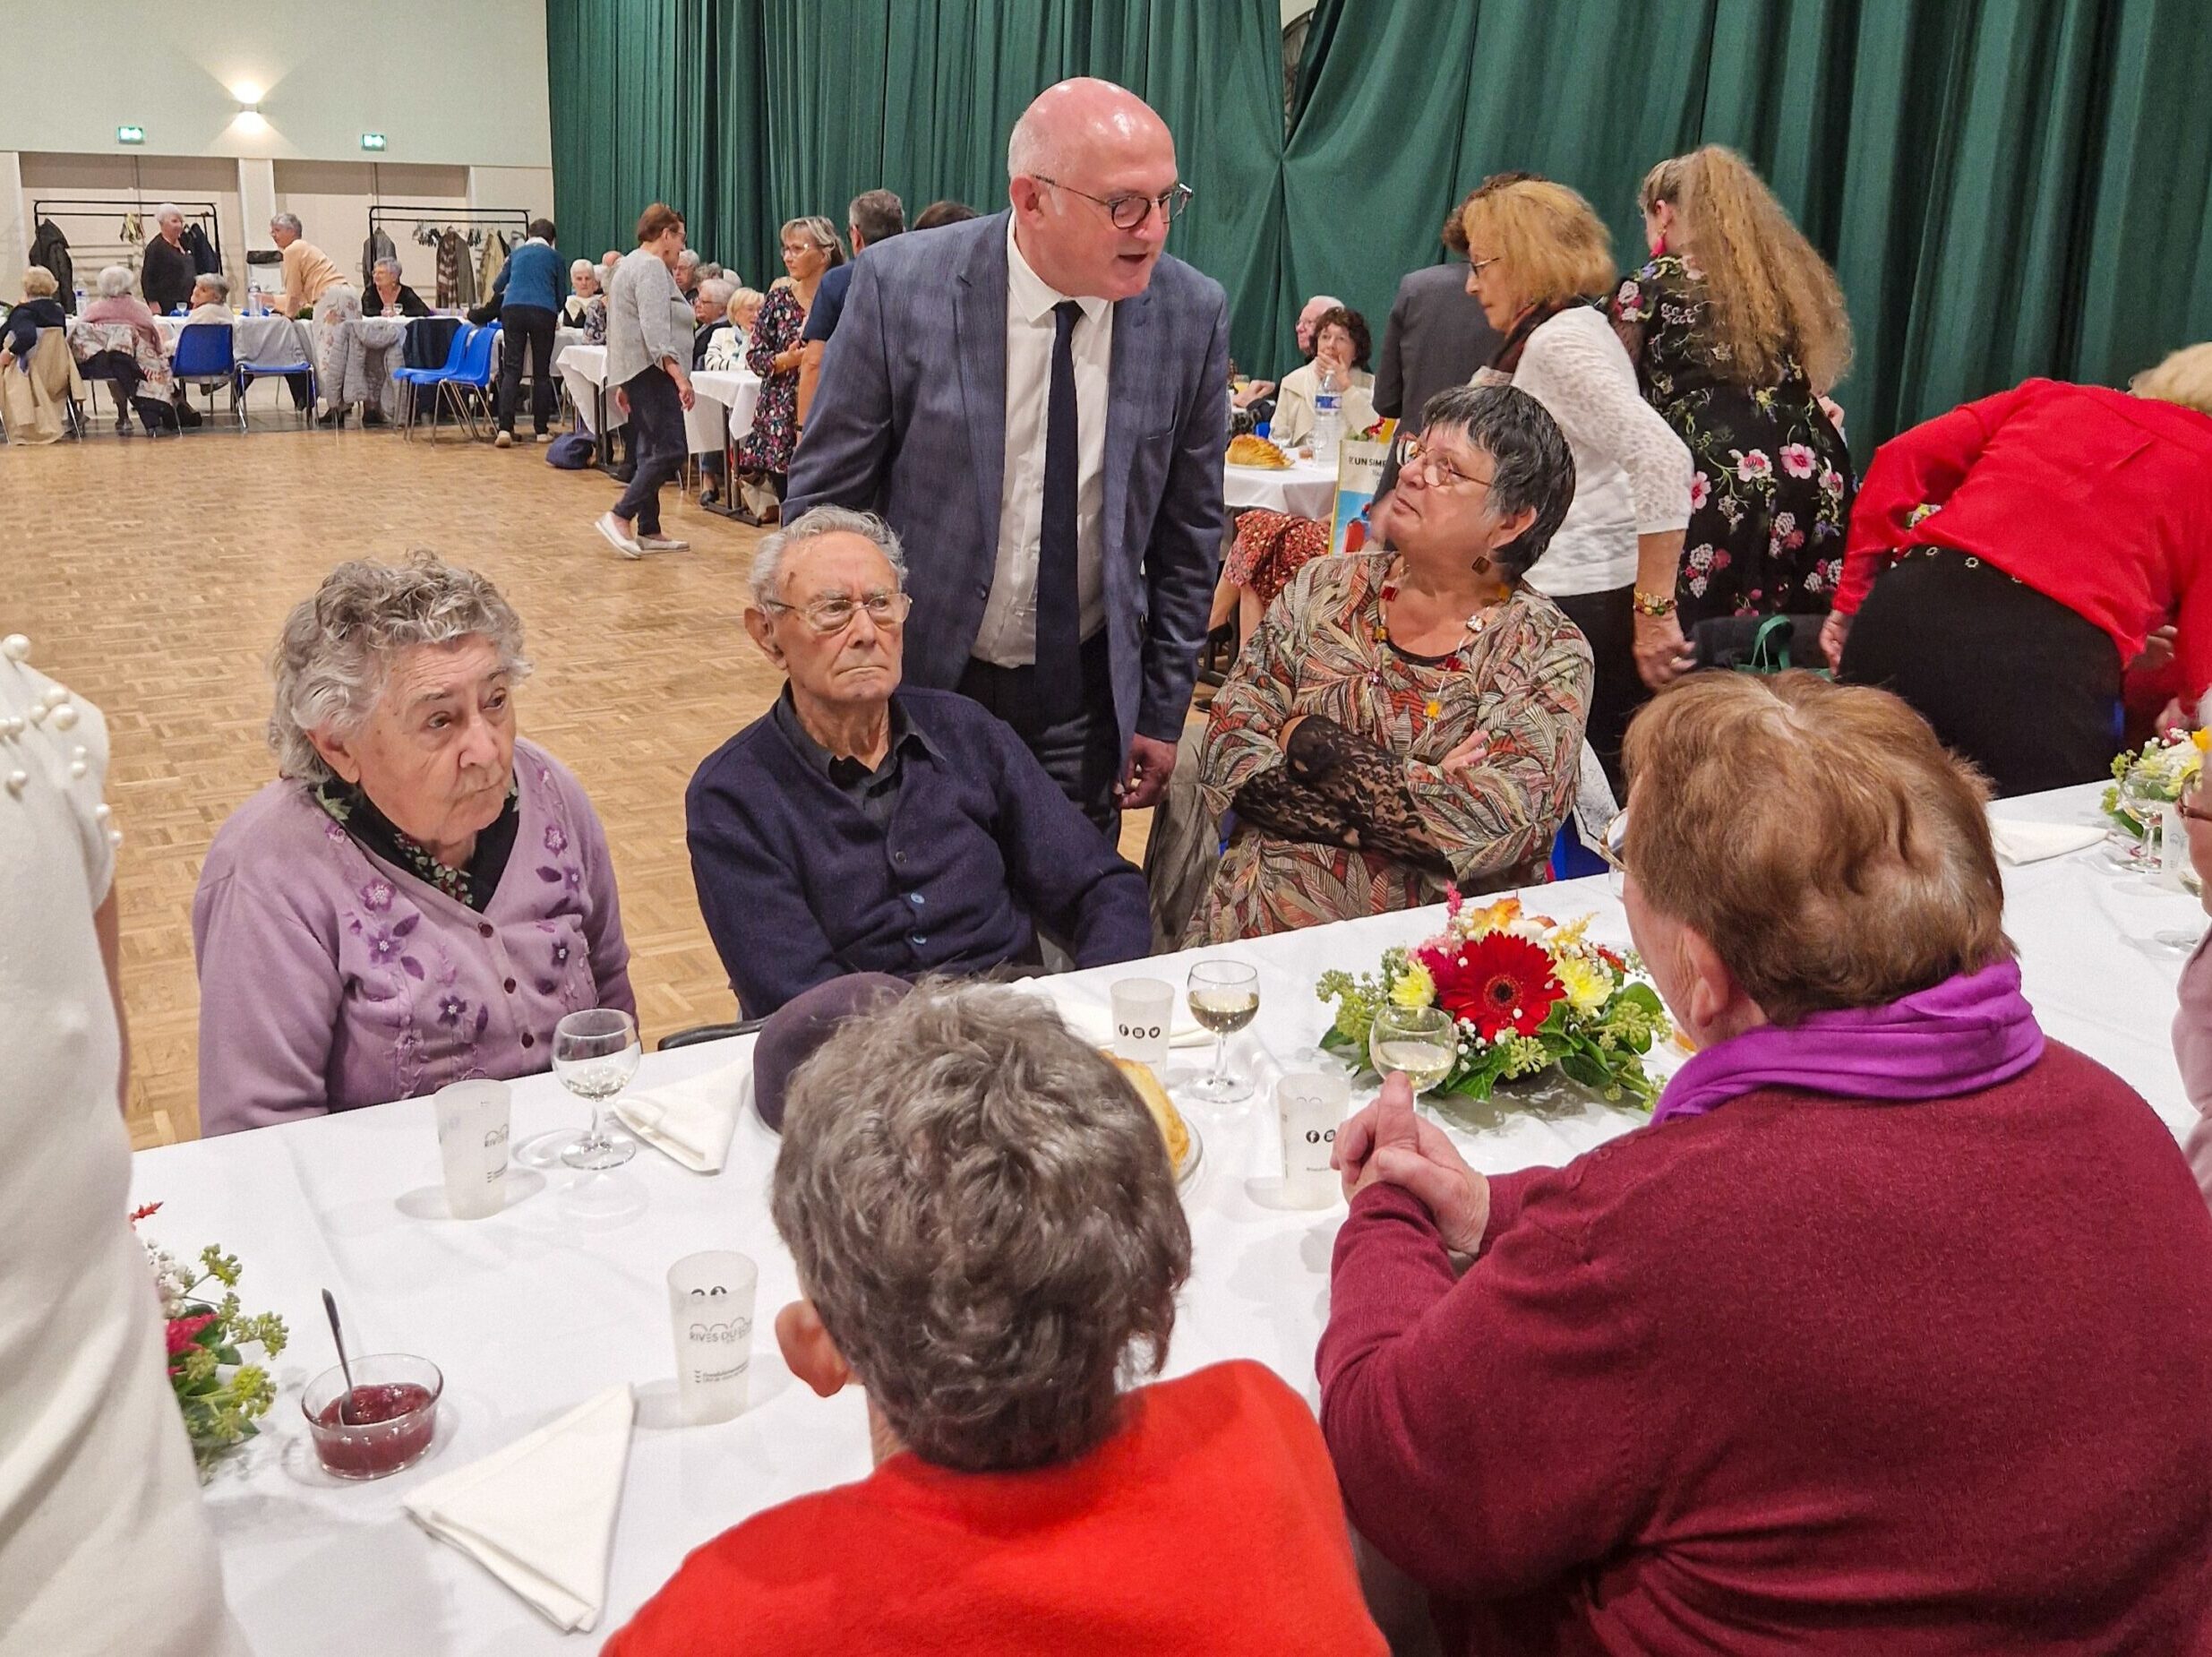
column 2007, row 560
column 1893, row 1332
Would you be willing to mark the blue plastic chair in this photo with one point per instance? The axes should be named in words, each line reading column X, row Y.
column 474, row 378
column 204, row 358
column 242, row 373
column 416, row 378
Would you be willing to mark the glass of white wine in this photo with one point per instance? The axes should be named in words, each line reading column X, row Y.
column 1422, row 1040
column 1224, row 997
column 595, row 1053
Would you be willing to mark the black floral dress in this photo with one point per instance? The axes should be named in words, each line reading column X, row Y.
column 1773, row 488
column 775, row 417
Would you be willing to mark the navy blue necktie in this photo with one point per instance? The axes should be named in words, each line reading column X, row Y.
column 1060, row 607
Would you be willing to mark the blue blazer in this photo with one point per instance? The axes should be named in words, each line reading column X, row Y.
column 909, row 420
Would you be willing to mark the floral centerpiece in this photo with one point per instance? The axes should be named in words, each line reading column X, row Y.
column 219, row 1394
column 2157, row 774
column 1526, row 993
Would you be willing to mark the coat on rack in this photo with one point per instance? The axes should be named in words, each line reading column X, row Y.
column 378, row 246
column 50, row 248
column 457, row 277
column 204, row 262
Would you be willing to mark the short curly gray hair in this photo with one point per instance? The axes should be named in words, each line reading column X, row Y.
column 337, row 649
column 767, row 559
column 983, row 1213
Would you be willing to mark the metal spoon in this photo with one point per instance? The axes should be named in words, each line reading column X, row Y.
column 345, row 1404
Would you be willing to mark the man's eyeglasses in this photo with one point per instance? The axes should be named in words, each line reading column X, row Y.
column 834, row 615
column 1129, row 212
column 1432, row 467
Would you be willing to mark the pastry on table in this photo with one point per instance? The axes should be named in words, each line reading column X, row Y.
column 1163, row 1111
column 1252, row 450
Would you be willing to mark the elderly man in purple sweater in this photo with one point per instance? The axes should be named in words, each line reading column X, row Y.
column 859, row 828
column 420, row 898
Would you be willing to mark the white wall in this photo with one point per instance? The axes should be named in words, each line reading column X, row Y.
column 461, row 85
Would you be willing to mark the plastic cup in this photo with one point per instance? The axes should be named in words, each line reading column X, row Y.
column 710, row 1308
column 1311, row 1106
column 1143, row 1011
column 472, row 1141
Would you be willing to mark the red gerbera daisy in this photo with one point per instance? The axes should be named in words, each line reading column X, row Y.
column 1497, row 982
column 182, row 1332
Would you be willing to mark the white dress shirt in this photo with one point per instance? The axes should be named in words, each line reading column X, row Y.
column 1009, row 637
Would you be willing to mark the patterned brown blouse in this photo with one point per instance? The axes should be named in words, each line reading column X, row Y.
column 1359, row 819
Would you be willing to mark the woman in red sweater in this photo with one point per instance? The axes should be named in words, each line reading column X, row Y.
column 1893, row 1332
column 2019, row 550
column 987, row 1227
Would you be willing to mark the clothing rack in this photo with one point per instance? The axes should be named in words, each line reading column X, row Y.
column 202, row 213
column 514, row 220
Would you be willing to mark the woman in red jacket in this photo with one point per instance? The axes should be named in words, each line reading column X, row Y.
column 2019, row 551
column 1893, row 1332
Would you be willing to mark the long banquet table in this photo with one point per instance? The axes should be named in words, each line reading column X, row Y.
column 561, row 1295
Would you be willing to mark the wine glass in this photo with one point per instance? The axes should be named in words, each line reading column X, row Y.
column 1224, row 997
column 1422, row 1040
column 595, row 1052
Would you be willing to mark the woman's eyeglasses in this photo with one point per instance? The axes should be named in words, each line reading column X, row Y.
column 1431, row 467
column 834, row 615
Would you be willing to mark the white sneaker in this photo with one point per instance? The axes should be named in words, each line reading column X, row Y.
column 505, row 440
column 606, row 526
column 662, row 543
column 545, row 437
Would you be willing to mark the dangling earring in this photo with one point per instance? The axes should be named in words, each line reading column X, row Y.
column 1481, row 566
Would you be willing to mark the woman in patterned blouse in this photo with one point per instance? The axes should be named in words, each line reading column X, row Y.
column 1402, row 720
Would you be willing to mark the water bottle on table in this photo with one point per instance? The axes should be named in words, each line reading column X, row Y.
column 1328, row 419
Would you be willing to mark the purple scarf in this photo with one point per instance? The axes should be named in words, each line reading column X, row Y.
column 1966, row 1033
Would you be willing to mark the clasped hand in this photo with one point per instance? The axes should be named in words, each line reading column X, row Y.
column 1391, row 1142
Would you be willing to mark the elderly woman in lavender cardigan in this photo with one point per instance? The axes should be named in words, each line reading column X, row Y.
column 419, row 898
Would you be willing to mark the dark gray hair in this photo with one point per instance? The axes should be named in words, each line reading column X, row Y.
column 878, row 215
column 337, row 649
column 1531, row 465
column 983, row 1213
column 767, row 559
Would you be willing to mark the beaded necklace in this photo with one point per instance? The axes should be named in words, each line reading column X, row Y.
column 1471, row 630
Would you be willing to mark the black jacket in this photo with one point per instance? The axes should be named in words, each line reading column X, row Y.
column 1437, row 336
column 50, row 248
column 21, row 330
column 204, row 259
column 165, row 276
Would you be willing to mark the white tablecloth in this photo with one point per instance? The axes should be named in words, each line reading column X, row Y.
column 723, row 402
column 584, row 367
column 1303, row 490
column 538, row 1308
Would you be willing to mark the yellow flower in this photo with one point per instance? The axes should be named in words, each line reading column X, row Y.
column 1587, row 986
column 2202, row 739
column 1414, row 988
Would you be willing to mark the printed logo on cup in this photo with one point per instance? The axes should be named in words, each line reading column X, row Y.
column 1317, row 1137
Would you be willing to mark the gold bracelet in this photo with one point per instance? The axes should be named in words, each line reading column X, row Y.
column 1654, row 604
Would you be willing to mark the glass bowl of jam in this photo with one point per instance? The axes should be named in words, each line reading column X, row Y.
column 384, row 1424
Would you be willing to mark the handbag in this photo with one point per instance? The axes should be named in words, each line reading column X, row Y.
column 1761, row 644
column 572, row 451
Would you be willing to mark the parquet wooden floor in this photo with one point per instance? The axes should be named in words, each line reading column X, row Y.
column 151, row 578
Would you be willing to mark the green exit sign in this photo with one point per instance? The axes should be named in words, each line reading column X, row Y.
column 371, row 140
column 130, row 135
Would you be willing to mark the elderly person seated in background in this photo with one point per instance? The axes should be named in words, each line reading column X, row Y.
column 988, row 1241
column 727, row 348
column 388, row 296
column 859, row 828
column 118, row 340
column 577, row 309
column 1403, row 721
column 39, row 308
column 686, row 272
column 710, row 315
column 35, row 389
column 1756, row 1377
column 420, row 898
column 210, row 302
column 1342, row 347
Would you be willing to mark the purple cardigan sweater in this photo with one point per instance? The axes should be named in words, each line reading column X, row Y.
column 330, row 980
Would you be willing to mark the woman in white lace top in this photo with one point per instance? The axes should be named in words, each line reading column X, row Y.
column 1540, row 263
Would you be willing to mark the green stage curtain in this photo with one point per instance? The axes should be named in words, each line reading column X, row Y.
column 2006, row 187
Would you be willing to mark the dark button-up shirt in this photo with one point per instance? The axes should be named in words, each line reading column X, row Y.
column 945, row 858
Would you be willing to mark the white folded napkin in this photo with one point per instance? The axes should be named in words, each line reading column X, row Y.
column 2030, row 843
column 692, row 1120
column 1095, row 1025
column 539, row 1514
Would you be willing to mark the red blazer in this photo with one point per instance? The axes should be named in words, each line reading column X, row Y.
column 2097, row 499
column 1803, row 1374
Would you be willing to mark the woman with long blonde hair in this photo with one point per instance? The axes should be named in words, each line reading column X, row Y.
column 1738, row 332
